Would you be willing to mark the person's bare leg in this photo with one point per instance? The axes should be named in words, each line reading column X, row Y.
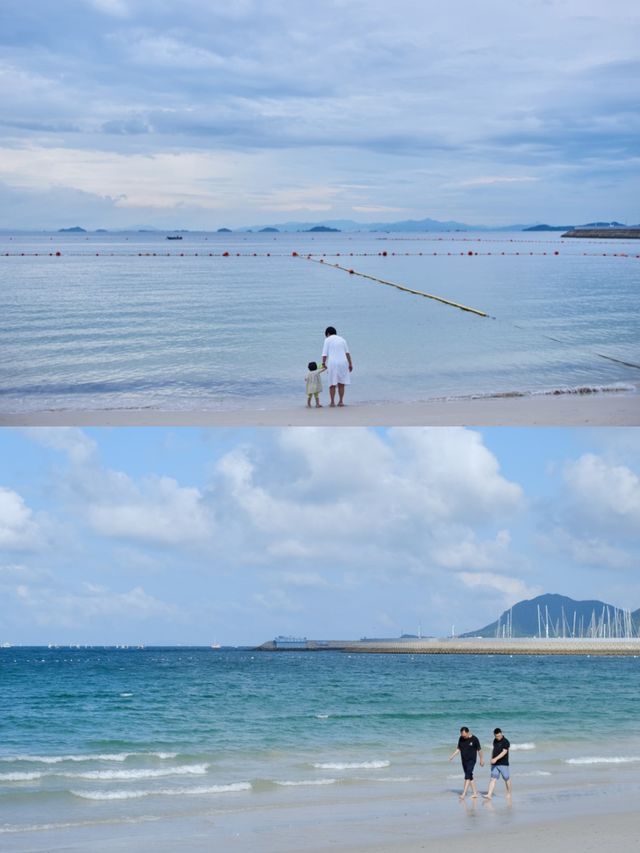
column 341, row 394
column 507, row 782
column 465, row 789
column 332, row 395
column 474, row 790
column 318, row 403
column 308, row 401
column 492, row 785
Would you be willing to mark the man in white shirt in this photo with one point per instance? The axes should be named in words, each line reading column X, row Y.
column 337, row 359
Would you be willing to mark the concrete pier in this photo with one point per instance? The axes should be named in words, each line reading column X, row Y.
column 474, row 646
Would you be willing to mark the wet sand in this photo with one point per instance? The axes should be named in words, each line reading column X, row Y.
column 595, row 409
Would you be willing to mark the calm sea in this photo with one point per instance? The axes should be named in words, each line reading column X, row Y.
column 135, row 320
column 124, row 737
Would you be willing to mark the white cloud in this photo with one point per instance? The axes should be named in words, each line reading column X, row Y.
column 159, row 511
column 18, row 526
column 605, row 493
column 587, row 551
column 276, row 600
column 49, row 607
column 465, row 551
column 70, row 440
column 511, row 589
column 403, row 505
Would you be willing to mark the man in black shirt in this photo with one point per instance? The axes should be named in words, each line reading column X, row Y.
column 499, row 763
column 469, row 749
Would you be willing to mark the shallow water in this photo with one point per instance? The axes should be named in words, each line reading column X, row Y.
column 135, row 321
column 118, row 735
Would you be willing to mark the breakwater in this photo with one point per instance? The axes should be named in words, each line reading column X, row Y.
column 468, row 646
column 605, row 233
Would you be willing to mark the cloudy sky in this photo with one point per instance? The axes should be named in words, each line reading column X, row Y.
column 125, row 113
column 190, row 536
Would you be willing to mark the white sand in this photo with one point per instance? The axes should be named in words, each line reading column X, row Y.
column 598, row 409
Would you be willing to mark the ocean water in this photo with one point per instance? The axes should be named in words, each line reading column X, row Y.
column 100, row 740
column 136, row 321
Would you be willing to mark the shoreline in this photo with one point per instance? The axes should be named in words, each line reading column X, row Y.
column 594, row 409
column 590, row 819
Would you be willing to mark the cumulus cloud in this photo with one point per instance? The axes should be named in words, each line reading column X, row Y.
column 19, row 528
column 606, row 495
column 158, row 511
column 91, row 602
column 406, row 502
column 75, row 443
column 511, row 589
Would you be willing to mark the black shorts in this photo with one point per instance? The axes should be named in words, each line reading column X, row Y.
column 468, row 766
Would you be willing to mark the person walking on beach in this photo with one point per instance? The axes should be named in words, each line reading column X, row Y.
column 314, row 384
column 337, row 359
column 499, row 763
column 469, row 749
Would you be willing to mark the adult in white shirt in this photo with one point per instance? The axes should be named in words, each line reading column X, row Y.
column 337, row 359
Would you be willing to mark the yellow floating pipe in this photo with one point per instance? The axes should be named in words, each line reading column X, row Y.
column 402, row 287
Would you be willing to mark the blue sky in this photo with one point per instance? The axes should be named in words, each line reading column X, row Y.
column 189, row 536
column 126, row 113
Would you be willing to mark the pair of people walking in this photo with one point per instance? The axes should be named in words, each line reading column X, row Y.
column 336, row 360
column 470, row 751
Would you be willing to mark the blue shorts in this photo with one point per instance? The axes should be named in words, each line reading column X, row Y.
column 500, row 770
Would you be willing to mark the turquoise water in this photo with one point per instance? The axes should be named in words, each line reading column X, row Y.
column 135, row 321
column 121, row 735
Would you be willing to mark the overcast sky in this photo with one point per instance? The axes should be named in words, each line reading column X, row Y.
column 125, row 113
column 189, row 536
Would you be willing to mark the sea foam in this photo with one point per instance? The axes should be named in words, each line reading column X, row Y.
column 615, row 759
column 165, row 792
column 139, row 773
column 352, row 765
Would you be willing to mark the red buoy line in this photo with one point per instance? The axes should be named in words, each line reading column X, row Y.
column 384, row 254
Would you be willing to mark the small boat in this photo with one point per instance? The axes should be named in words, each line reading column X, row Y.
column 215, row 645
column 174, row 237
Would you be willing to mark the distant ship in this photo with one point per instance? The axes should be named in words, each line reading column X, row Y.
column 174, row 237
column 215, row 645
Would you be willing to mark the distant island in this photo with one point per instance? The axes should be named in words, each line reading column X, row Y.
column 223, row 231
column 75, row 230
column 321, row 229
column 269, row 230
column 549, row 228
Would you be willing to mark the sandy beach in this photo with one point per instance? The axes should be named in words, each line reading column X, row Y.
column 595, row 409
column 591, row 821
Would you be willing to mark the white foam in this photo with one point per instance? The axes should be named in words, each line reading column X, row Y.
column 19, row 777
column 522, row 746
column 126, row 695
column 287, row 783
column 58, row 759
column 322, row 716
column 165, row 792
column 615, row 759
column 140, row 773
column 399, row 779
column 535, row 773
column 352, row 765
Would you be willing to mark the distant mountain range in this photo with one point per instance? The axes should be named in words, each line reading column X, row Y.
column 406, row 226
column 560, row 616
